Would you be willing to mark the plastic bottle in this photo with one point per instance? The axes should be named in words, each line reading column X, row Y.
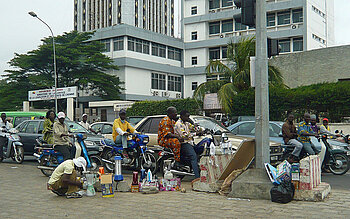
column 149, row 176
column 212, row 149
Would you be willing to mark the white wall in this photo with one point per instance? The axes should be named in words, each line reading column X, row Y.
column 202, row 31
column 201, row 7
column 315, row 24
column 137, row 81
column 193, row 78
column 202, row 57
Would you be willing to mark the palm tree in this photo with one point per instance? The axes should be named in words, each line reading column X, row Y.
column 236, row 73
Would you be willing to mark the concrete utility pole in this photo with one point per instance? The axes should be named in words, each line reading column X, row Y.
column 262, row 153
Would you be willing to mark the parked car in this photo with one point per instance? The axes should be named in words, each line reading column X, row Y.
column 18, row 117
column 247, row 128
column 29, row 130
column 103, row 128
column 149, row 126
column 133, row 120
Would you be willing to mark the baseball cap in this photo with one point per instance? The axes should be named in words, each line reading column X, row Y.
column 313, row 116
column 61, row 115
column 325, row 119
column 83, row 115
column 80, row 162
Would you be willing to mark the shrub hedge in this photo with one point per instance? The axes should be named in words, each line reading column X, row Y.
column 149, row 108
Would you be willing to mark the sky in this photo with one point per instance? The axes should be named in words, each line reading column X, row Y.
column 21, row 33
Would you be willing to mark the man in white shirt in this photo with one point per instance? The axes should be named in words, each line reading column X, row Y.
column 63, row 180
column 85, row 124
column 185, row 129
column 4, row 127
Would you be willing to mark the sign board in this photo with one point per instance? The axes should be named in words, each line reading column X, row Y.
column 211, row 102
column 49, row 94
column 118, row 106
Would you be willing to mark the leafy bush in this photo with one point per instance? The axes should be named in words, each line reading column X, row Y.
column 148, row 108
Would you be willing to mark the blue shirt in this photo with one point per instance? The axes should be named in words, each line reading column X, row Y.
column 304, row 128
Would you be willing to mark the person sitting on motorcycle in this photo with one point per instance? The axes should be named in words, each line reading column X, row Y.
column 290, row 135
column 185, row 129
column 324, row 129
column 4, row 127
column 166, row 134
column 313, row 124
column 63, row 180
column 121, row 128
column 60, row 141
column 304, row 133
column 48, row 126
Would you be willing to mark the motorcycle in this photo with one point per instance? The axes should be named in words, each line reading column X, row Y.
column 345, row 138
column 166, row 159
column 335, row 158
column 136, row 155
column 49, row 158
column 13, row 147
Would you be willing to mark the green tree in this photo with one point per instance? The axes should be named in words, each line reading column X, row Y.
column 236, row 73
column 80, row 62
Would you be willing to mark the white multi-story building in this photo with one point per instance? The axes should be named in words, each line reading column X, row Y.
column 299, row 25
column 143, row 37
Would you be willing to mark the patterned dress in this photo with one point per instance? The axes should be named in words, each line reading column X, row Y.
column 166, row 126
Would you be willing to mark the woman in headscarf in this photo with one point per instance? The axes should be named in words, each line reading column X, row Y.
column 48, row 126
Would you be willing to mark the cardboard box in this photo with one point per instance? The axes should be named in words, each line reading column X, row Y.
column 107, row 185
column 284, row 171
column 134, row 188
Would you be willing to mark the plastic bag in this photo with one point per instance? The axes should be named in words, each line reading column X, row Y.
column 282, row 193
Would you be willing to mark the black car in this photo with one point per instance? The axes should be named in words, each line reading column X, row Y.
column 29, row 130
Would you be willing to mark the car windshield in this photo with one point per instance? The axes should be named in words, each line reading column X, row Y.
column 209, row 123
column 75, row 127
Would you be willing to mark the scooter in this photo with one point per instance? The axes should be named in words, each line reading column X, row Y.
column 13, row 147
column 335, row 159
column 345, row 138
column 166, row 159
column 136, row 155
column 49, row 158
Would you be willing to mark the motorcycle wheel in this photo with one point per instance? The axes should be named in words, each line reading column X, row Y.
column 149, row 162
column 96, row 163
column 44, row 160
column 340, row 165
column 20, row 155
column 108, row 155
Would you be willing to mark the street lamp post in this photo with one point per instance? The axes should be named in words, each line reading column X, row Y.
column 54, row 56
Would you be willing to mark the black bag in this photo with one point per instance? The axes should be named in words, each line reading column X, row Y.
column 283, row 193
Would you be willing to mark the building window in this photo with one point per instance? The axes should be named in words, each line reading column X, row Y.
column 214, row 53
column 107, row 44
column 158, row 81
column 212, row 77
column 316, row 10
column 227, row 26
column 118, row 43
column 283, row 17
column 271, row 20
column 194, row 85
column 214, row 4
column 145, row 46
column 194, row 60
column 174, row 83
column 319, row 39
column 214, row 27
column 224, row 52
column 174, row 53
column 194, row 35
column 285, row 45
column 297, row 44
column 297, row 15
column 131, row 43
column 158, row 50
column 194, row 10
column 227, row 3
column 138, row 45
column 239, row 26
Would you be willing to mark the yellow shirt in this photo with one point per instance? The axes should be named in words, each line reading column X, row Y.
column 67, row 167
column 123, row 126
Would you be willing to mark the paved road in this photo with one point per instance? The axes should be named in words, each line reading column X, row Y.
column 23, row 194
